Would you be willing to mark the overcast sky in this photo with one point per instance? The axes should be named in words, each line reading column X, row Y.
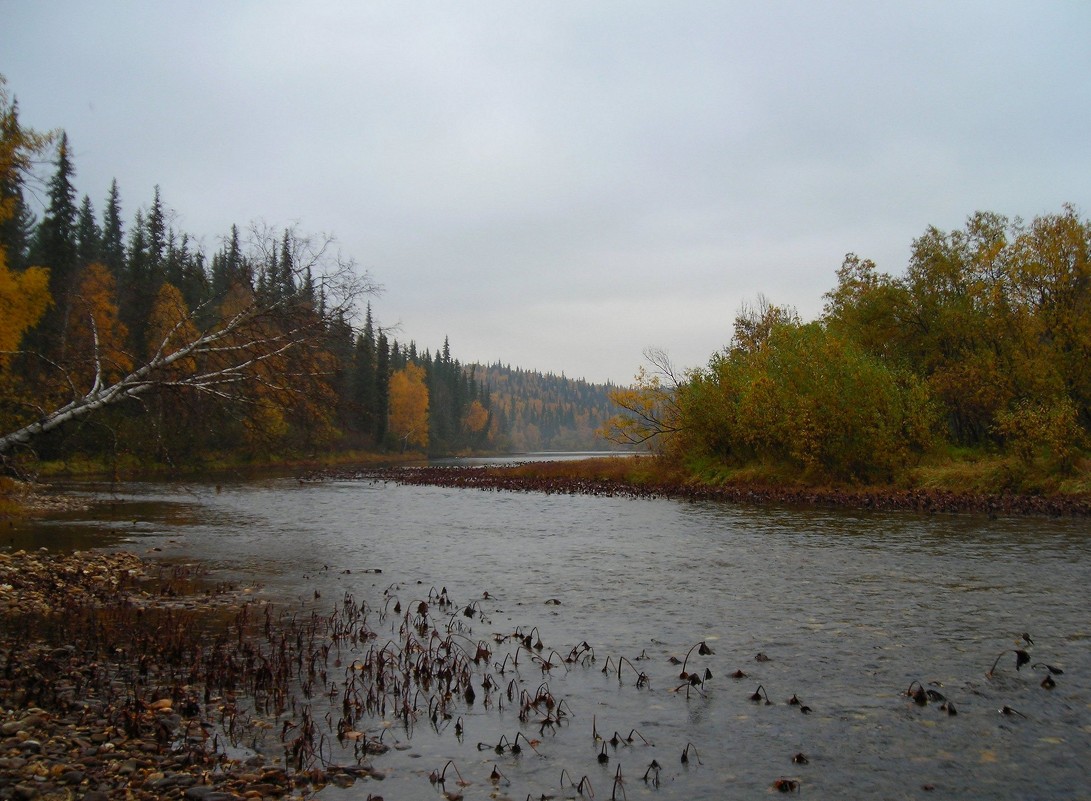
column 559, row 185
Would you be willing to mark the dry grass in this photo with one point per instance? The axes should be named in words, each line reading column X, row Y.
column 996, row 474
column 956, row 471
column 641, row 470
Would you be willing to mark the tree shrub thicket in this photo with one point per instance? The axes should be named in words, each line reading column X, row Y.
column 984, row 343
column 805, row 397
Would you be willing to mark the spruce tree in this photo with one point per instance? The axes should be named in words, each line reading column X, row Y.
column 17, row 231
column 157, row 236
column 138, row 287
column 113, row 234
column 174, row 259
column 230, row 266
column 364, row 393
column 16, row 221
column 88, row 235
column 382, row 389
column 195, row 284
column 55, row 246
column 284, row 274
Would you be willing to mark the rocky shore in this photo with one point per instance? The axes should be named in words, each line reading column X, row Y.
column 107, row 690
column 918, row 500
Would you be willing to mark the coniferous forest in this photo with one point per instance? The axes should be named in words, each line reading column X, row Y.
column 122, row 339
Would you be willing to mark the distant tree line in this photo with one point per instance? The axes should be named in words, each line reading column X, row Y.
column 983, row 345
column 546, row 412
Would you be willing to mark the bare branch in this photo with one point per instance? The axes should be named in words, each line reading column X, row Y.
column 649, row 407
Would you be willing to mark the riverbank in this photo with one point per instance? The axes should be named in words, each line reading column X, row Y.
column 640, row 478
column 950, row 486
column 111, row 687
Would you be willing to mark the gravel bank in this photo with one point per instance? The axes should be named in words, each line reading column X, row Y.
column 107, row 690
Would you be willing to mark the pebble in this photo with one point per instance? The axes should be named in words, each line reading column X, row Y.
column 70, row 729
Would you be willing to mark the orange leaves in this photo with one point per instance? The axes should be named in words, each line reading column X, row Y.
column 649, row 407
column 170, row 327
column 477, row 417
column 95, row 341
column 24, row 297
column 409, row 406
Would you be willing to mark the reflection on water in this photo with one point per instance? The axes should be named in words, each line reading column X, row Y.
column 850, row 608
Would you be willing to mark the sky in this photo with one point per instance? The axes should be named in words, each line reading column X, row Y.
column 559, row 186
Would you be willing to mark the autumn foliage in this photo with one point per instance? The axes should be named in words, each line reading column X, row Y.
column 24, row 298
column 984, row 343
column 24, row 294
column 409, row 407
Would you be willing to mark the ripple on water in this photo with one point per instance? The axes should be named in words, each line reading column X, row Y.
column 851, row 608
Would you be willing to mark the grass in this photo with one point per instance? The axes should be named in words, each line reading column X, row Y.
column 956, row 471
column 998, row 474
column 641, row 470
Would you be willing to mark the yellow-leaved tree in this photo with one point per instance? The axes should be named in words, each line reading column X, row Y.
column 95, row 339
column 24, row 296
column 649, row 408
column 171, row 327
column 477, row 417
column 409, row 406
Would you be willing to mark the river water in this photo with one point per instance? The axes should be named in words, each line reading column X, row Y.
column 846, row 610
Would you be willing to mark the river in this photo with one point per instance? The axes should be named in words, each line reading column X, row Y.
column 841, row 611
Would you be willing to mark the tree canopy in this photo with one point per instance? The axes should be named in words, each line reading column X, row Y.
column 984, row 342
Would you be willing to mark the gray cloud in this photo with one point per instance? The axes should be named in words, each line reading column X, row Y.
column 559, row 185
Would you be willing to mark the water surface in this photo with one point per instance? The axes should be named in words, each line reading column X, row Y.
column 849, row 607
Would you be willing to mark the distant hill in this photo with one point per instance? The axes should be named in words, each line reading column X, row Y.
column 533, row 411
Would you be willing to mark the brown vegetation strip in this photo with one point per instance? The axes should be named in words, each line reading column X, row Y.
column 919, row 500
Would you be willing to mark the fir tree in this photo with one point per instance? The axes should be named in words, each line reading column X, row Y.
column 284, row 273
column 113, row 234
column 364, row 392
column 139, row 285
column 382, row 388
column 195, row 283
column 88, row 235
column 55, row 246
column 17, row 232
column 230, row 267
column 157, row 235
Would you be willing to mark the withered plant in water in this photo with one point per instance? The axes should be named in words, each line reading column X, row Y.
column 1021, row 658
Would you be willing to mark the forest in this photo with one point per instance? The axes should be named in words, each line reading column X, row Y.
column 123, row 342
column 126, row 342
column 979, row 353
